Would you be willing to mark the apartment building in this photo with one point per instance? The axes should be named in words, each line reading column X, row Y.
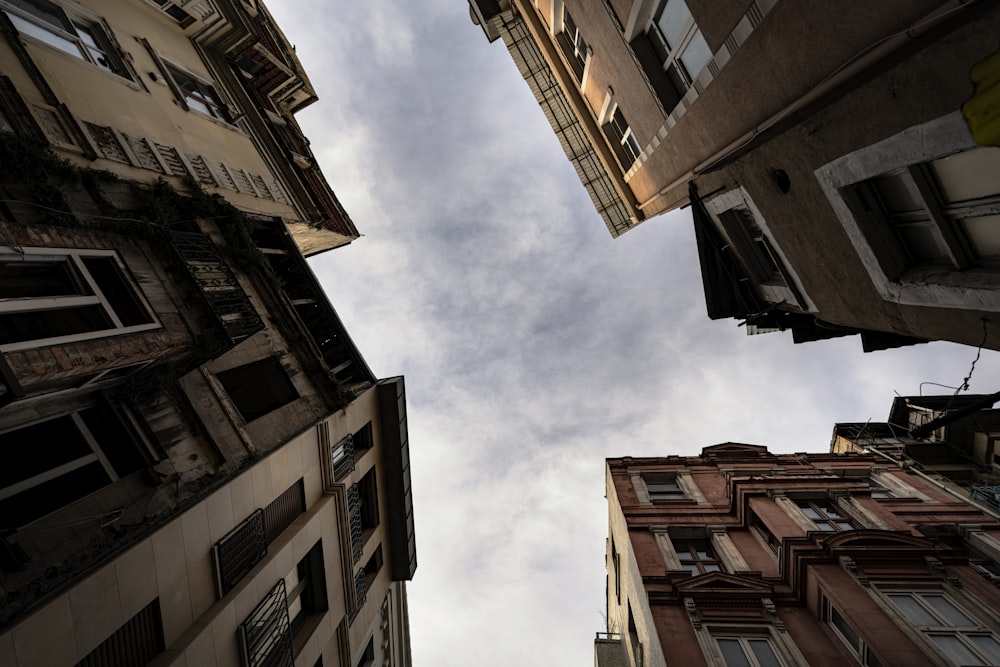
column 951, row 439
column 199, row 466
column 837, row 159
column 739, row 556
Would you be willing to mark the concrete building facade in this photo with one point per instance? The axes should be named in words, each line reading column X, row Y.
column 835, row 183
column 742, row 557
column 199, row 466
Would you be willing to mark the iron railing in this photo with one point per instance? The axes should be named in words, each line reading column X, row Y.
column 238, row 551
column 988, row 494
column 217, row 284
column 266, row 635
column 354, row 518
column 283, row 510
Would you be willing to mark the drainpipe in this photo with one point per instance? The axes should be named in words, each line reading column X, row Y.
column 840, row 76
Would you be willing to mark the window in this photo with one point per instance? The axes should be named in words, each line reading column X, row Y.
column 199, row 95
column 697, row 556
column 941, row 213
column 622, row 139
column 171, row 9
column 743, row 228
column 84, row 451
column 372, row 567
column 849, row 636
column 573, row 46
column 52, row 296
column 878, row 491
column 922, row 211
column 368, row 496
column 47, row 22
column 136, row 642
column 616, row 566
column 747, row 651
column 281, row 620
column 679, row 45
column 825, row 515
column 664, row 489
column 362, row 441
column 258, row 388
column 769, row 538
column 948, row 628
column 306, row 588
column 368, row 657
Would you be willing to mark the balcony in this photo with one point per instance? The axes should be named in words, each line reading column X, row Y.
column 217, row 284
column 988, row 494
column 609, row 650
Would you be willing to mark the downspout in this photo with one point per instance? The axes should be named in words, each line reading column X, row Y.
column 840, row 76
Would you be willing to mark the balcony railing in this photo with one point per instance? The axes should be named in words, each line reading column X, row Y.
column 354, row 514
column 265, row 635
column 217, row 284
column 238, row 551
column 988, row 494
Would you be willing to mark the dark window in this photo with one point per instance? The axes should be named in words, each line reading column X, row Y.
column 573, row 45
column 752, row 246
column 372, row 567
column 198, row 95
column 368, row 492
column 258, row 388
column 362, row 441
column 134, row 644
column 622, row 139
column 84, row 451
column 664, row 489
column 697, row 556
column 368, row 657
column 306, row 588
column 52, row 298
column 825, row 515
column 850, row 637
column 770, row 539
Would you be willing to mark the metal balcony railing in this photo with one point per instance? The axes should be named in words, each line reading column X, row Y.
column 988, row 494
column 354, row 515
column 217, row 284
column 238, row 551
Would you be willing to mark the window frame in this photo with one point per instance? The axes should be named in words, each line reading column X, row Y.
column 925, row 633
column 857, row 646
column 143, row 450
column 574, row 46
column 66, row 39
column 822, row 508
column 218, row 109
column 74, row 257
column 781, row 645
column 672, row 56
column 971, row 288
column 782, row 286
column 689, row 554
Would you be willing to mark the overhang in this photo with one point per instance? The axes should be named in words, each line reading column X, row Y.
column 396, row 475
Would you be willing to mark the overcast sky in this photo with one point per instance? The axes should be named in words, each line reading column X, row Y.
column 533, row 344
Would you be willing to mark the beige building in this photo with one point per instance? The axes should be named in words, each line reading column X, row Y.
column 198, row 465
column 834, row 181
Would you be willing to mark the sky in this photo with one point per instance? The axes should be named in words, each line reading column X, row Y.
column 533, row 344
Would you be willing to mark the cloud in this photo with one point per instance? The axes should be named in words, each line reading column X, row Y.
column 533, row 344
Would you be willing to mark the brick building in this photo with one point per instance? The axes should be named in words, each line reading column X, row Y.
column 742, row 557
column 835, row 186
column 199, row 466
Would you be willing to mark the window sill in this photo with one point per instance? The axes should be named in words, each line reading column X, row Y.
column 202, row 114
column 305, row 631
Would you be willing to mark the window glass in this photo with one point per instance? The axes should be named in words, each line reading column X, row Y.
column 56, row 40
column 956, row 651
column 968, row 175
column 673, row 20
column 988, row 646
column 949, row 612
column 732, row 653
column 764, row 653
column 696, row 55
column 983, row 233
column 914, row 610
